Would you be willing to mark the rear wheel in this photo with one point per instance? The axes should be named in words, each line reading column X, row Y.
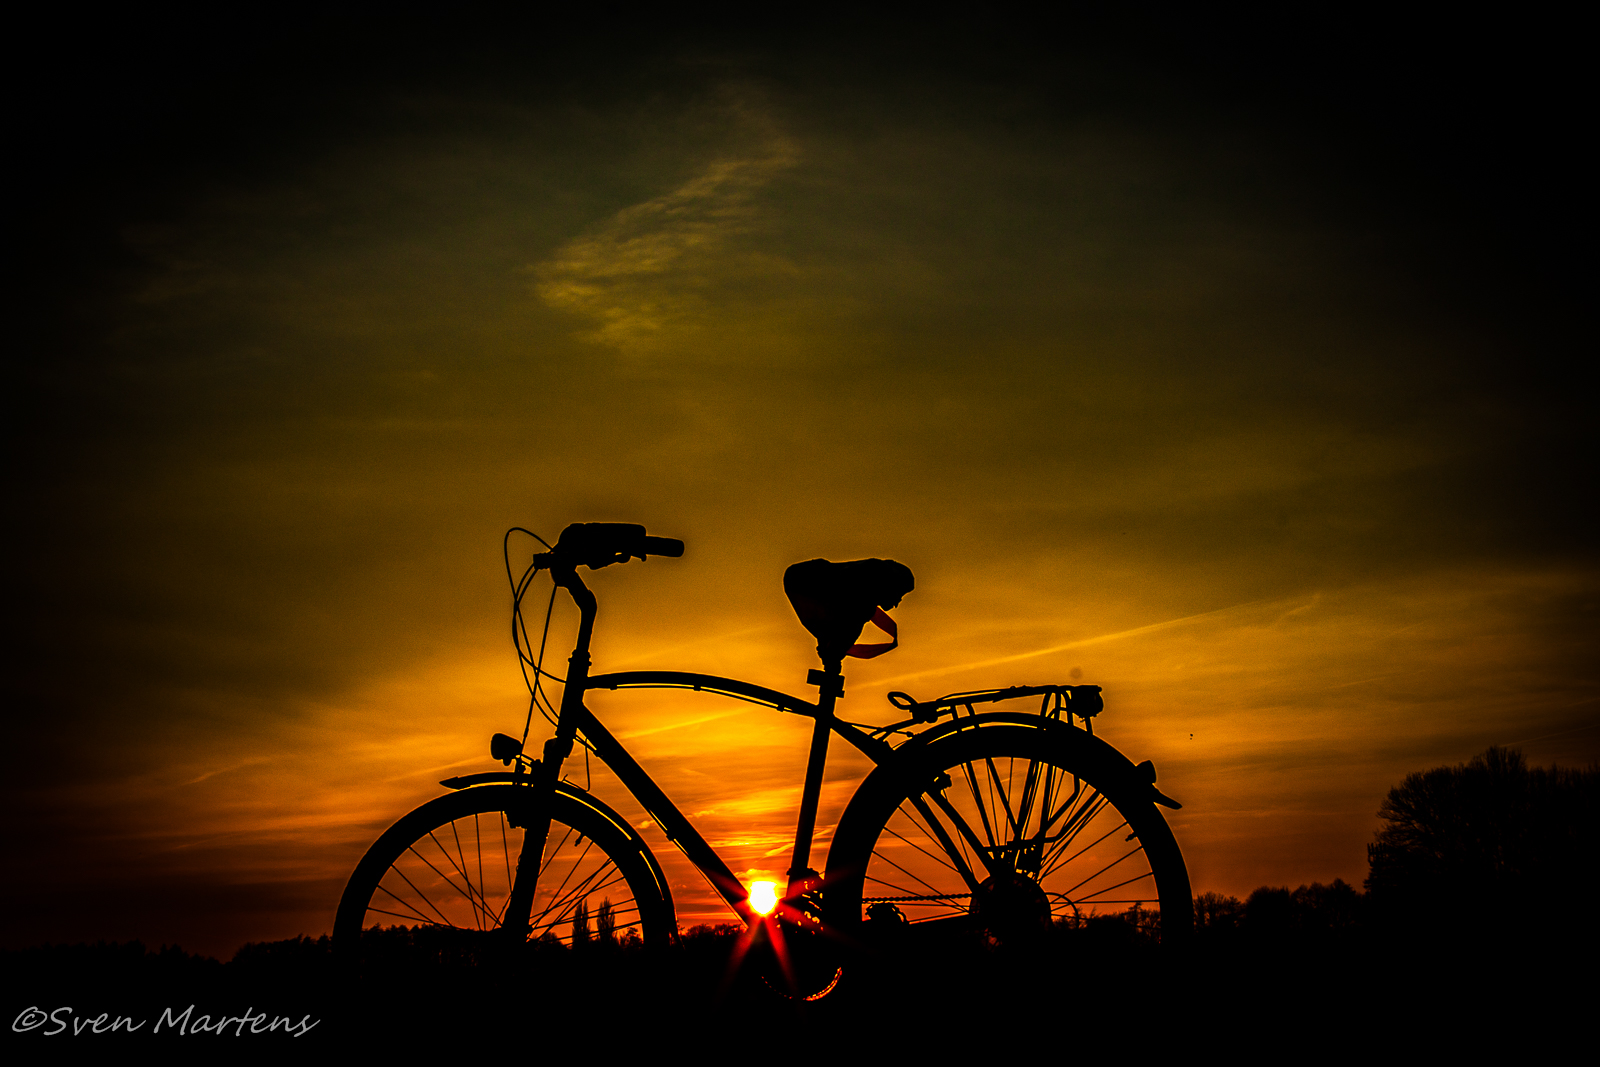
column 1008, row 833
column 444, row 873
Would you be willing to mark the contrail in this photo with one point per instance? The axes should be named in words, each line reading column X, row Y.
column 698, row 642
column 1103, row 638
column 631, row 734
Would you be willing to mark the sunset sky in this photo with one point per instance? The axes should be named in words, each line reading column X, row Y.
column 1249, row 388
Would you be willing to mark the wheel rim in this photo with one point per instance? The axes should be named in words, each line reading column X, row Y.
column 1010, row 846
column 457, row 877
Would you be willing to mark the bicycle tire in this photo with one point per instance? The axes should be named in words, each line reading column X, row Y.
column 445, row 871
column 1106, row 851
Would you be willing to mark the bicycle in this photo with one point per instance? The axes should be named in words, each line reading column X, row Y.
column 997, row 825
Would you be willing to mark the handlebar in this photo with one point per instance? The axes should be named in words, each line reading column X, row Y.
column 664, row 546
column 600, row 544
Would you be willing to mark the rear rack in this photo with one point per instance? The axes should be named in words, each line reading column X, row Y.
column 1082, row 701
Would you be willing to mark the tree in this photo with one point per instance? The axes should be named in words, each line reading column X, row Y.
column 1214, row 912
column 1489, row 843
column 580, row 924
column 1328, row 911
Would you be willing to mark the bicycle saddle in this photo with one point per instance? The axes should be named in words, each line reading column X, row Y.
column 836, row 600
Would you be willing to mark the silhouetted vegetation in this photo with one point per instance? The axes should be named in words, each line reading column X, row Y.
column 1279, row 958
column 1314, row 916
column 1490, row 847
column 127, row 965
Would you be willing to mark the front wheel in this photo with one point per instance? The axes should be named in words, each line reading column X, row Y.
column 444, row 874
column 1009, row 833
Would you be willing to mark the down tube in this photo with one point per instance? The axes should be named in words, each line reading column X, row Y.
column 678, row 829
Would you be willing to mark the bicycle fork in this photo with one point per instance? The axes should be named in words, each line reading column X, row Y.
column 536, row 829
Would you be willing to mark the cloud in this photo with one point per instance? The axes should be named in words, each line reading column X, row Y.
column 647, row 267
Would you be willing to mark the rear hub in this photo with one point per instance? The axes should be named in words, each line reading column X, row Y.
column 1012, row 907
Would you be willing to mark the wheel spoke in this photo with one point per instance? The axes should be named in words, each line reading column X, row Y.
column 907, row 873
column 1104, row 869
column 931, row 855
column 459, row 860
column 1034, row 792
column 467, row 892
column 551, row 859
column 905, row 891
column 403, row 903
column 435, row 873
column 959, row 850
column 477, row 840
column 1086, row 848
column 583, row 889
column 1074, row 826
column 564, row 899
column 505, row 850
column 1067, row 805
column 1024, row 837
column 1119, row 885
column 1024, row 811
column 984, row 853
column 981, row 804
column 1073, row 797
column 568, row 904
column 441, row 874
column 1087, row 807
column 1003, row 789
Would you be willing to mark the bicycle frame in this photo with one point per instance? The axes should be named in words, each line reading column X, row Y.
column 575, row 718
column 987, row 833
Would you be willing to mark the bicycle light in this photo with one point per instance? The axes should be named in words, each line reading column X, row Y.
column 504, row 748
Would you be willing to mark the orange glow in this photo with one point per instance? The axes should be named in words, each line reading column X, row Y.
column 763, row 897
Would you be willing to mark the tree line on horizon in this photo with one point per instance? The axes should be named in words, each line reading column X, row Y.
column 1491, row 847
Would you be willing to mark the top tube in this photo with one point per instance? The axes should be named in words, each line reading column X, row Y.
column 708, row 683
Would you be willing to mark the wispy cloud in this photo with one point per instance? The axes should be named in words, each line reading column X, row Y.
column 650, row 265
column 1137, row 631
column 631, row 734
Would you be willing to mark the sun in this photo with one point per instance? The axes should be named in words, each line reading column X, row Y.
column 763, row 897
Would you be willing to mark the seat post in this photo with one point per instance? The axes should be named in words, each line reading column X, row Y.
column 830, row 682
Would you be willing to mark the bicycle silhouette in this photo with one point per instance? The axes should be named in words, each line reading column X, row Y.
column 1004, row 826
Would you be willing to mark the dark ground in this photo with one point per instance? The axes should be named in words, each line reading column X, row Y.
column 1359, row 994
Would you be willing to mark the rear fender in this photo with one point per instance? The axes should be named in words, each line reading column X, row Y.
column 1144, row 774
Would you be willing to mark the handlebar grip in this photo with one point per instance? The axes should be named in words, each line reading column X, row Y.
column 600, row 544
column 663, row 546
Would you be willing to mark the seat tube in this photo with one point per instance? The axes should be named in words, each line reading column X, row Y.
column 831, row 683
